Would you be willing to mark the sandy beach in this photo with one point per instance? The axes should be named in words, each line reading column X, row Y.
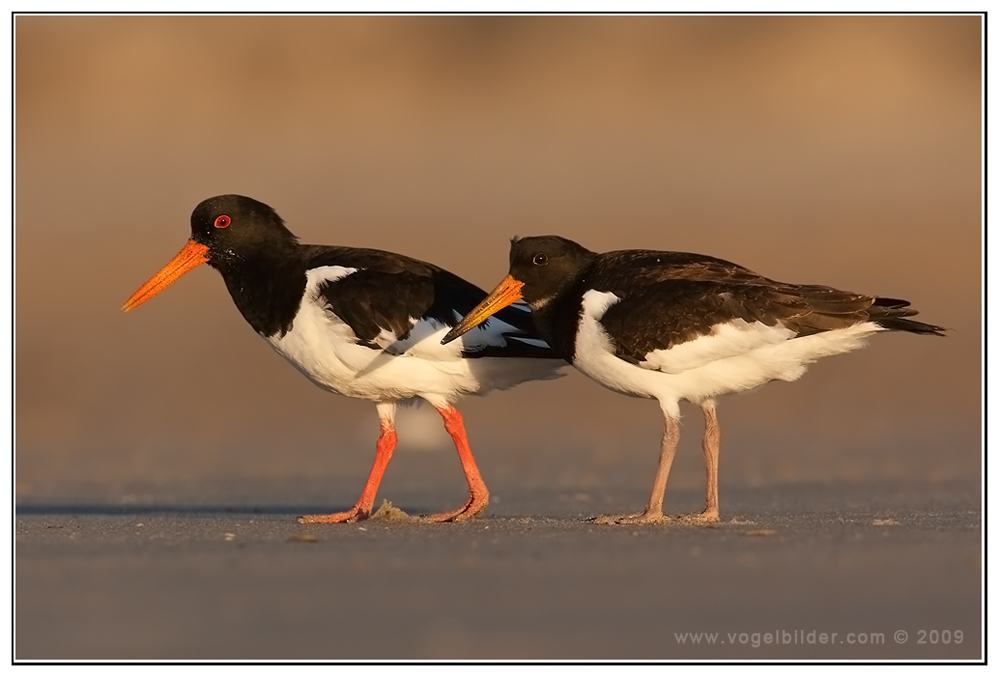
column 885, row 572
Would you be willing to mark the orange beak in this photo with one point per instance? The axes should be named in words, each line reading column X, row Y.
column 505, row 294
column 191, row 256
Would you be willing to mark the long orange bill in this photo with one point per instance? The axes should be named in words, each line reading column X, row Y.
column 192, row 255
column 505, row 294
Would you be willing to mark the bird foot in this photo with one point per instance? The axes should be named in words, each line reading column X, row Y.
column 355, row 514
column 644, row 517
column 706, row 517
column 472, row 508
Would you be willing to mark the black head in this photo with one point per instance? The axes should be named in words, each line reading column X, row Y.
column 230, row 233
column 541, row 268
column 235, row 228
column 546, row 265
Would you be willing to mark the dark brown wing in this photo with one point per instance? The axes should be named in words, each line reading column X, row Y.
column 673, row 298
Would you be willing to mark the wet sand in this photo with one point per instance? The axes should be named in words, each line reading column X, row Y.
column 529, row 580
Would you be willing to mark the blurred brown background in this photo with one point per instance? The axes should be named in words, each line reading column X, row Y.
column 836, row 150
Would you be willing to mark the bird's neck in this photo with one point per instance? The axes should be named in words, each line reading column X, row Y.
column 267, row 289
column 557, row 318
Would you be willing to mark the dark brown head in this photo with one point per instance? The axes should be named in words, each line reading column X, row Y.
column 541, row 268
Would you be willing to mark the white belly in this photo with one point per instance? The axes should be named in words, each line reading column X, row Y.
column 326, row 350
column 734, row 357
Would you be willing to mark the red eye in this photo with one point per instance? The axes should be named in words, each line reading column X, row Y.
column 222, row 221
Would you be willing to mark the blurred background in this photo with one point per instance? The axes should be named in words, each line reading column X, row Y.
column 836, row 150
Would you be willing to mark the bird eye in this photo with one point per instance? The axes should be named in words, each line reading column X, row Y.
column 222, row 221
column 540, row 259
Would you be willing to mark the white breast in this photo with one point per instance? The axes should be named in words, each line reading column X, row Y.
column 326, row 350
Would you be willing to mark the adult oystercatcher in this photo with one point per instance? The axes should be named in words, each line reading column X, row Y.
column 363, row 323
column 676, row 326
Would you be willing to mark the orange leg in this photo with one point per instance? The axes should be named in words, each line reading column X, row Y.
column 479, row 496
column 383, row 453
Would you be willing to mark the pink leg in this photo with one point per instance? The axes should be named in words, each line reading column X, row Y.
column 363, row 508
column 710, row 447
column 654, row 509
column 479, row 496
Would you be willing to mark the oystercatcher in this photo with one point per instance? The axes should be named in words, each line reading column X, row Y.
column 363, row 323
column 676, row 326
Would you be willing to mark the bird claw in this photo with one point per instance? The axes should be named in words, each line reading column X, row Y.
column 706, row 517
column 472, row 508
column 657, row 518
column 644, row 517
column 354, row 515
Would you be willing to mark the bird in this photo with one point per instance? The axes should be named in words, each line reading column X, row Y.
column 364, row 323
column 678, row 326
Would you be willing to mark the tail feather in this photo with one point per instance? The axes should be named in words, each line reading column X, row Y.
column 907, row 325
column 809, row 309
column 893, row 314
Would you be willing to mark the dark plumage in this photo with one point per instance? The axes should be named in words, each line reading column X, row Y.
column 678, row 326
column 363, row 323
column 669, row 298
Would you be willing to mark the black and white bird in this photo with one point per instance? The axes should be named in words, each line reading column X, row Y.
column 363, row 323
column 675, row 326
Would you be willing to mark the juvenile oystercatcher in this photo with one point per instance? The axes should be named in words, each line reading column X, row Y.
column 363, row 323
column 675, row 326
